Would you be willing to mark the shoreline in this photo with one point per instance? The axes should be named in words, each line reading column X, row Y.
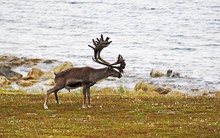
column 35, row 79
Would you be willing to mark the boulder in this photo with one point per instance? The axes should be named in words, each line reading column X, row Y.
column 8, row 73
column 171, row 73
column 25, row 83
column 57, row 69
column 34, row 73
column 175, row 94
column 163, row 90
column 48, row 75
column 48, row 61
column 13, row 61
column 49, row 82
column 145, row 87
column 148, row 93
column 200, row 92
column 141, row 85
column 155, row 73
column 62, row 67
column 151, row 88
column 4, row 81
column 152, row 94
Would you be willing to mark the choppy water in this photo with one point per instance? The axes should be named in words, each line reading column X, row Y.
column 183, row 35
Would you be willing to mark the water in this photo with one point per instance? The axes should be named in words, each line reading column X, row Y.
column 183, row 35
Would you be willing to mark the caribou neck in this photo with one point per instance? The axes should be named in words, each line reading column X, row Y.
column 100, row 74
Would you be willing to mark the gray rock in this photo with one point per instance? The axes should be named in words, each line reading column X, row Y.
column 8, row 73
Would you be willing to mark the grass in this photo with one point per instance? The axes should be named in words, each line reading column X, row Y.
column 112, row 115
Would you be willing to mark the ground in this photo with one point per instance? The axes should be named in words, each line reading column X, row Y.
column 116, row 115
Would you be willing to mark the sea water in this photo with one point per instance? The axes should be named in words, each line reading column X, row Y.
column 183, row 35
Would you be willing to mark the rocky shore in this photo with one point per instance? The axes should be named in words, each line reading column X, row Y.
column 40, row 80
column 10, row 79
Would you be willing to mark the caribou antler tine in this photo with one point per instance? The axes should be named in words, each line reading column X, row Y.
column 91, row 47
column 98, row 40
column 107, row 38
column 94, row 42
column 102, row 38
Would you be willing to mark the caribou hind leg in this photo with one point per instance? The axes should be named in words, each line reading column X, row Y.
column 55, row 89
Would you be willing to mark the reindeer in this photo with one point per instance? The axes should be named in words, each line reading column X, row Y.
column 86, row 77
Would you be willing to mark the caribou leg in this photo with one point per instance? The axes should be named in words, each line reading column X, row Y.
column 55, row 89
column 88, row 96
column 84, row 96
column 56, row 97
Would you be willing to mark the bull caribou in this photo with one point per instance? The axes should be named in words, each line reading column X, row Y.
column 86, row 77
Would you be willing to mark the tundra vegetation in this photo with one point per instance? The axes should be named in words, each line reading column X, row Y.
column 115, row 113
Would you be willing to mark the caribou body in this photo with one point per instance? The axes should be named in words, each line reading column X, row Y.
column 86, row 77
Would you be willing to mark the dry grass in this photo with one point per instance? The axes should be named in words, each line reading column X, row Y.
column 22, row 115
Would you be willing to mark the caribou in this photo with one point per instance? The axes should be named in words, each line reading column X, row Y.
column 86, row 77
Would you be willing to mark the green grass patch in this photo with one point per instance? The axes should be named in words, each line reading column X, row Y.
column 112, row 115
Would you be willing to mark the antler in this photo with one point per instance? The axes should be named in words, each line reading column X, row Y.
column 121, row 63
column 99, row 45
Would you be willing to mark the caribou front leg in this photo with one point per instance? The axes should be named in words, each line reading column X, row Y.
column 88, row 96
column 56, row 97
column 84, row 96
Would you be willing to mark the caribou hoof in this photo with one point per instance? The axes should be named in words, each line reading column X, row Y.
column 89, row 106
column 45, row 107
column 84, row 106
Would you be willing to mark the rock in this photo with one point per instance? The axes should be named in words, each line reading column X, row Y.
column 25, row 83
column 8, row 73
column 12, row 61
column 155, row 73
column 4, row 82
column 145, row 87
column 49, row 61
column 148, row 93
column 48, row 75
column 152, row 94
column 171, row 73
column 200, row 92
column 34, row 73
column 151, row 88
column 57, row 69
column 141, row 85
column 175, row 94
column 163, row 90
column 49, row 82
column 62, row 67
column 141, row 92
